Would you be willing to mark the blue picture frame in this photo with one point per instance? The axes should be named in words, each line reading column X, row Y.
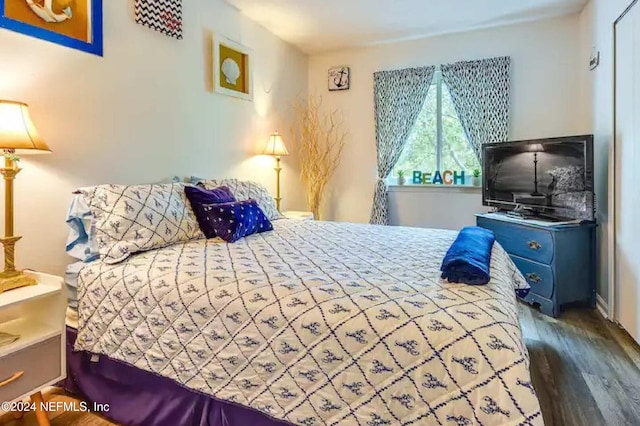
column 95, row 46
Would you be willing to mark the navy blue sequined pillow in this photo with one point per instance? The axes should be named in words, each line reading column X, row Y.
column 232, row 221
column 200, row 197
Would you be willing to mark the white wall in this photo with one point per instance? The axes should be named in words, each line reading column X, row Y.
column 596, row 24
column 545, row 102
column 143, row 112
column 445, row 207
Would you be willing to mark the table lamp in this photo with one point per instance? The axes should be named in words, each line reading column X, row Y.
column 18, row 136
column 275, row 147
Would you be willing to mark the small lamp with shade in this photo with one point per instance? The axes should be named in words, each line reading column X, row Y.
column 276, row 148
column 18, row 136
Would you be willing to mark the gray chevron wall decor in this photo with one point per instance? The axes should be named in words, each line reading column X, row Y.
column 164, row 16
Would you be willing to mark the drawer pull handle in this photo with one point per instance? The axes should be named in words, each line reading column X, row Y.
column 534, row 278
column 534, row 245
column 12, row 379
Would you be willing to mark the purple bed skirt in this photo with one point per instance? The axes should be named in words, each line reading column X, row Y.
column 139, row 398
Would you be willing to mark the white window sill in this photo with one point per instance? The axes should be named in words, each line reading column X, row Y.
column 435, row 188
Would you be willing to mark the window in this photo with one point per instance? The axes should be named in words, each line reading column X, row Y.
column 438, row 141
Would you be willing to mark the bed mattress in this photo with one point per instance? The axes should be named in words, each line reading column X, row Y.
column 71, row 318
column 71, row 281
column 319, row 323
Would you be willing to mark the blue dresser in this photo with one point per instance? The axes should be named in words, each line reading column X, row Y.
column 558, row 261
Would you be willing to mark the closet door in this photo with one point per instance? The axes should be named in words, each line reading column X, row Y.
column 627, row 172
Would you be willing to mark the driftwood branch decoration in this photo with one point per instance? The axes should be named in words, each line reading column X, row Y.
column 319, row 139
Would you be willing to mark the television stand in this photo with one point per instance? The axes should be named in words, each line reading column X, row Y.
column 557, row 259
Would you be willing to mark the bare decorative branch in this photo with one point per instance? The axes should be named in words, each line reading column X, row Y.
column 319, row 138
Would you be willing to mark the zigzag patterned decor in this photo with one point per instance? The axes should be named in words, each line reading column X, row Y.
column 164, row 16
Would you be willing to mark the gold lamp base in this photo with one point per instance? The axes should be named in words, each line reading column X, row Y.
column 14, row 279
column 10, row 278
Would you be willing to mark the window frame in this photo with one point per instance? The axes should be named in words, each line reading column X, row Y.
column 438, row 82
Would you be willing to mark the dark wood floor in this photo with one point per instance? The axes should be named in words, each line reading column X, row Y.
column 585, row 369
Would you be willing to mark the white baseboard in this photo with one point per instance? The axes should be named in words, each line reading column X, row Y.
column 602, row 307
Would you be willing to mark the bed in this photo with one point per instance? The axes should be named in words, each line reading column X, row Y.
column 312, row 323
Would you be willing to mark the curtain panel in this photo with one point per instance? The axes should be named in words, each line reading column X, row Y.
column 481, row 94
column 398, row 99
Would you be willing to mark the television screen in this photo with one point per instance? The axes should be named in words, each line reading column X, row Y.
column 548, row 177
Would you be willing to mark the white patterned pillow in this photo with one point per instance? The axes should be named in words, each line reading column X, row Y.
column 135, row 218
column 244, row 190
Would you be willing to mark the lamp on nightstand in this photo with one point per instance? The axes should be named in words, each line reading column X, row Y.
column 275, row 147
column 18, row 136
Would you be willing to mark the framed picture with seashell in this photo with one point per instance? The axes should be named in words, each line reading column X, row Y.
column 232, row 68
column 71, row 23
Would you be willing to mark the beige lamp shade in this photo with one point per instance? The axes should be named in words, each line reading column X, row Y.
column 17, row 132
column 275, row 146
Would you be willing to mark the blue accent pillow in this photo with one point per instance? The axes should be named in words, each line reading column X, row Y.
column 221, row 194
column 200, row 197
column 232, row 221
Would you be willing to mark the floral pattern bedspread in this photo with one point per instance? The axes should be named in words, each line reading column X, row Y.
column 320, row 323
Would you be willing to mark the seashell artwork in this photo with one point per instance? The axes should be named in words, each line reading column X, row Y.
column 232, row 68
column 231, row 71
column 52, row 11
column 72, row 23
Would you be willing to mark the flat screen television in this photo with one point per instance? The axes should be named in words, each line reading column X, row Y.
column 547, row 178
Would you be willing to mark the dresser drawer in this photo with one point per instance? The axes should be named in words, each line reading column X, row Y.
column 530, row 243
column 540, row 277
column 38, row 364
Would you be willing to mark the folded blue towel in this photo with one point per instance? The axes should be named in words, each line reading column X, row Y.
column 469, row 257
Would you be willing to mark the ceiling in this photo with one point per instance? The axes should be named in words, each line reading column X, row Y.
column 317, row 26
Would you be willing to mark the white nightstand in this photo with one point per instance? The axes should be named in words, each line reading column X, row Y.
column 38, row 358
column 299, row 215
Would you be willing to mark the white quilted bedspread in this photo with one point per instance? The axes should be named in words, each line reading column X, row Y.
column 320, row 323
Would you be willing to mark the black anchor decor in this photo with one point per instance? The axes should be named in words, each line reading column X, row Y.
column 339, row 78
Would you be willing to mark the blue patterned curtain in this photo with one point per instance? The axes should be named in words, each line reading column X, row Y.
column 398, row 99
column 481, row 94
